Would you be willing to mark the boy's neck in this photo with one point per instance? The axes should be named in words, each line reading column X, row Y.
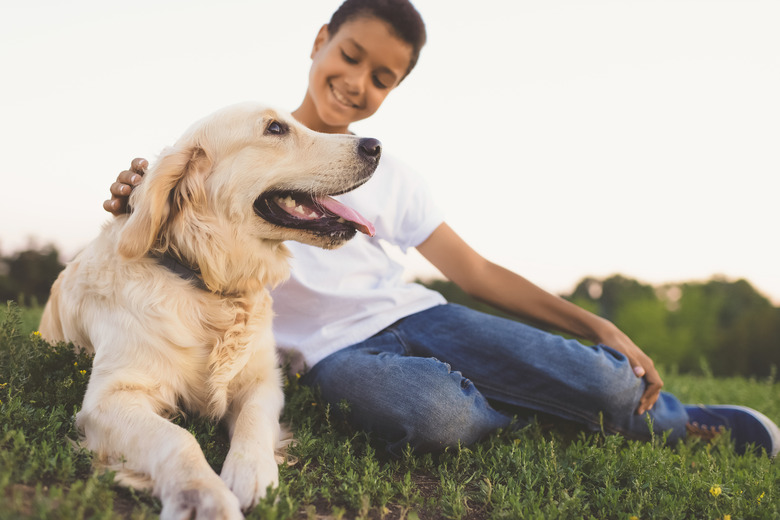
column 306, row 114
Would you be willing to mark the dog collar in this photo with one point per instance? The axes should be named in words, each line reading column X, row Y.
column 184, row 272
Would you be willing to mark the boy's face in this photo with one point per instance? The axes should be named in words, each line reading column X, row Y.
column 352, row 73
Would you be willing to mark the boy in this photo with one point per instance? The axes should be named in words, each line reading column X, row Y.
column 388, row 347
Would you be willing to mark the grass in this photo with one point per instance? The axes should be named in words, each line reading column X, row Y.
column 340, row 473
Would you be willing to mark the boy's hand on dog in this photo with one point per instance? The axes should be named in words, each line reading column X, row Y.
column 121, row 189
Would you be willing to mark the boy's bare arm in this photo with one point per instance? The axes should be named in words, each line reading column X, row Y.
column 511, row 292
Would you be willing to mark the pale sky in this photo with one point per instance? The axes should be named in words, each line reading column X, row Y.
column 562, row 138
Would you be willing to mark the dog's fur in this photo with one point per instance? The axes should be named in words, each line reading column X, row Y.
column 161, row 342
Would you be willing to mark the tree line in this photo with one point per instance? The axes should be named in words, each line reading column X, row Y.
column 722, row 327
column 26, row 276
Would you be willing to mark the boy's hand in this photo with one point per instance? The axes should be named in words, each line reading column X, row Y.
column 643, row 367
column 125, row 182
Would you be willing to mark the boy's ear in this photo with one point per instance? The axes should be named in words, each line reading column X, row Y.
column 320, row 40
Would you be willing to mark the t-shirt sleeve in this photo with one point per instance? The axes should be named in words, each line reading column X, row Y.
column 416, row 214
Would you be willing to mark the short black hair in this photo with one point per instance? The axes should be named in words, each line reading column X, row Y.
column 404, row 19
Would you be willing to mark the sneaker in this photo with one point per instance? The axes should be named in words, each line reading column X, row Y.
column 747, row 426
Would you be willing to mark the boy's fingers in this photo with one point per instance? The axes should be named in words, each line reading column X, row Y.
column 139, row 165
column 120, row 189
column 114, row 206
column 130, row 178
column 649, row 398
column 642, row 367
column 653, row 386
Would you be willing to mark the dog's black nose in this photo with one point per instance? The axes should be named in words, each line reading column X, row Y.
column 370, row 148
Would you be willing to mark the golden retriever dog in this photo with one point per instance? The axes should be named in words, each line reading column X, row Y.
column 173, row 301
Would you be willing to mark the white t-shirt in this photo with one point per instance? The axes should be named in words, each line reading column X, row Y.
column 336, row 298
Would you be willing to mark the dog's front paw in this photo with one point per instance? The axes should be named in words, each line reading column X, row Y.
column 249, row 476
column 201, row 501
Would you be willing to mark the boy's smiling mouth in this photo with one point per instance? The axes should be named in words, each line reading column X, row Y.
column 343, row 100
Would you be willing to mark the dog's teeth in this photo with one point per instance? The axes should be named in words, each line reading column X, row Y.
column 341, row 221
column 288, row 201
column 299, row 209
column 313, row 215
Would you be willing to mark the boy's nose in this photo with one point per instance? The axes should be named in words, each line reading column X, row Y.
column 356, row 83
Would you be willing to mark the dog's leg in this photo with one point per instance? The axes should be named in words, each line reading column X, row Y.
column 253, row 421
column 123, row 427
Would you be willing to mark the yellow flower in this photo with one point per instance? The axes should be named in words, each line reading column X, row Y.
column 82, row 372
column 3, row 385
column 37, row 334
column 75, row 363
column 760, row 497
column 633, row 518
column 715, row 491
column 726, row 517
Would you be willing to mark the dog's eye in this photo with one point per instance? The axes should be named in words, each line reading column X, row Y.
column 276, row 128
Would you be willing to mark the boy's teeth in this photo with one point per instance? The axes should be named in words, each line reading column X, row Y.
column 341, row 98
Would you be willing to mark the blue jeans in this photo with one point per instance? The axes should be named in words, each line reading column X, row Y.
column 436, row 378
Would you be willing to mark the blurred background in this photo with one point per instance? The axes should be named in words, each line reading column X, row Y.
column 573, row 142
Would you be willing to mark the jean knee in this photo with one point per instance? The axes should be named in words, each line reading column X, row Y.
column 438, row 426
column 614, row 388
column 407, row 400
column 452, row 413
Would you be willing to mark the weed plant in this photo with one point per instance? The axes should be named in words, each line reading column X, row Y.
column 336, row 472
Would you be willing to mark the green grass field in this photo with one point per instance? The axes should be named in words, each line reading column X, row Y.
column 335, row 472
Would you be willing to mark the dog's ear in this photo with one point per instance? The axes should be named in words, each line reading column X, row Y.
column 175, row 183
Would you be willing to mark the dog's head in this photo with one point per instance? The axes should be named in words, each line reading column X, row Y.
column 241, row 181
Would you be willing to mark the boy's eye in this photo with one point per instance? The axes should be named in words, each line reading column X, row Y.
column 276, row 128
column 348, row 58
column 378, row 83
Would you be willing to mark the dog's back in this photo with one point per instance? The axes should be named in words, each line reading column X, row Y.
column 75, row 295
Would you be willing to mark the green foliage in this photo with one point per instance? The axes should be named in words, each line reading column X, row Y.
column 27, row 276
column 41, row 386
column 28, row 319
column 336, row 472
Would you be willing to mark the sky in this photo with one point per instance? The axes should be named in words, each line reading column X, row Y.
column 561, row 138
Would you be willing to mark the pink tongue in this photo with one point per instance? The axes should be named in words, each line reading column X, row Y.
column 348, row 214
